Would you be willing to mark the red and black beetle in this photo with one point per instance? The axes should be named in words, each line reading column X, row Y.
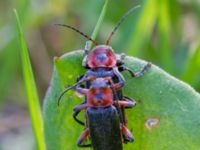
column 103, row 63
column 100, row 96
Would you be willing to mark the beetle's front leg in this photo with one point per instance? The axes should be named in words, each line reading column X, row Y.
column 120, row 58
column 121, row 82
column 146, row 67
column 86, row 53
column 139, row 73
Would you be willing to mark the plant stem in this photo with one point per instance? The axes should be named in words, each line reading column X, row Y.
column 99, row 23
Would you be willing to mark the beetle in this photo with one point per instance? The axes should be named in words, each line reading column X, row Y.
column 102, row 62
column 98, row 98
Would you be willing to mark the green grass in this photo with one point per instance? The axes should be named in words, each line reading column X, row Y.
column 99, row 23
column 31, row 91
column 143, row 27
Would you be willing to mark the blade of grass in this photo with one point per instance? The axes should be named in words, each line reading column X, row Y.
column 99, row 23
column 143, row 27
column 33, row 100
column 192, row 66
column 164, row 35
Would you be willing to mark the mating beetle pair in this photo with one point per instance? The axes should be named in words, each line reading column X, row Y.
column 103, row 89
column 103, row 94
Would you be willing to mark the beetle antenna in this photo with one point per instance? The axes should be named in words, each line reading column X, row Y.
column 69, row 88
column 61, row 95
column 120, row 22
column 81, row 33
column 65, row 91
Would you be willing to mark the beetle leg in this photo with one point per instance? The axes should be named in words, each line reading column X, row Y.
column 146, row 67
column 77, row 110
column 118, row 74
column 122, row 103
column 139, row 73
column 121, row 82
column 126, row 132
column 80, row 107
column 120, row 58
column 86, row 49
column 129, row 70
column 83, row 136
column 75, row 114
column 86, row 53
column 127, row 99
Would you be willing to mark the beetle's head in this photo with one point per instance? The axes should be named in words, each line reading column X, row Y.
column 102, row 56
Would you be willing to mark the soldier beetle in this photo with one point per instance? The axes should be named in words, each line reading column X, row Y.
column 103, row 90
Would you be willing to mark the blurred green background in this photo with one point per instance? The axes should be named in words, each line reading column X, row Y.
column 164, row 32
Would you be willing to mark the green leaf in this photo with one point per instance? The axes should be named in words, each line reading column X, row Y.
column 32, row 96
column 166, row 116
